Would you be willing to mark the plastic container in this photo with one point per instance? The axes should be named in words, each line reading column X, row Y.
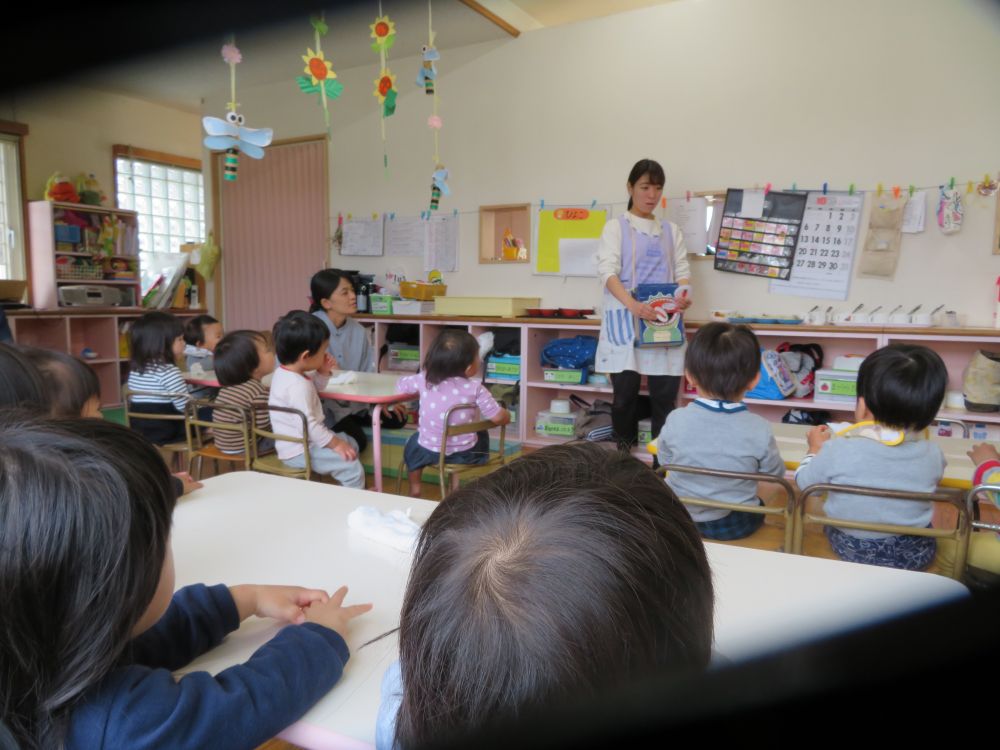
column 421, row 290
column 564, row 375
column 381, row 304
column 645, row 430
column 559, row 406
column 550, row 424
column 836, row 385
column 404, row 357
column 503, row 367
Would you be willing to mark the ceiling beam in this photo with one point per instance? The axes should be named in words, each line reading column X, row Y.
column 490, row 16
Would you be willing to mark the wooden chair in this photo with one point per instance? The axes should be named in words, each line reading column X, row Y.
column 271, row 464
column 955, row 423
column 960, row 534
column 200, row 448
column 786, row 512
column 453, row 473
column 976, row 577
column 176, row 453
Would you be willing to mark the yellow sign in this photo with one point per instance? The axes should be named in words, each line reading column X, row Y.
column 571, row 228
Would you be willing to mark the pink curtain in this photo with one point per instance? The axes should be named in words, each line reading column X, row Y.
column 274, row 233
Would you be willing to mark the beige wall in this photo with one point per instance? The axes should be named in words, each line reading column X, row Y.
column 722, row 92
column 72, row 130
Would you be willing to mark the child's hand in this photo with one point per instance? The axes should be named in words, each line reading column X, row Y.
column 817, row 436
column 982, row 453
column 190, row 485
column 285, row 603
column 343, row 449
column 329, row 364
column 333, row 614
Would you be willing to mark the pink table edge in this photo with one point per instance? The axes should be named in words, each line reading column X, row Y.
column 315, row 737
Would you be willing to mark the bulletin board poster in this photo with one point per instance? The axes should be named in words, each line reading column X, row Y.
column 828, row 241
column 567, row 239
column 759, row 232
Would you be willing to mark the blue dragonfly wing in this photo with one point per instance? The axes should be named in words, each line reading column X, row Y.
column 254, row 152
column 256, row 136
column 215, row 126
column 220, row 142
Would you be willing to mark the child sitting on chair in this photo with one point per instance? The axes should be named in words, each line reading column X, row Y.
column 201, row 335
column 300, row 344
column 242, row 359
column 717, row 431
column 446, row 381
column 900, row 389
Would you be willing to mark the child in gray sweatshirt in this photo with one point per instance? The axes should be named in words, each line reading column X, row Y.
column 900, row 389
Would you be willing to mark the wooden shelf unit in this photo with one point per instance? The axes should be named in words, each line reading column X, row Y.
column 955, row 345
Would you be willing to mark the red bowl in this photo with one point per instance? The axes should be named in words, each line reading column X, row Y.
column 548, row 312
column 569, row 312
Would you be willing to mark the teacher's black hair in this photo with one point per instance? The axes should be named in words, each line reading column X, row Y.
column 646, row 168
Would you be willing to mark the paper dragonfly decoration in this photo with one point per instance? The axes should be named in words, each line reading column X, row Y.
column 231, row 136
column 428, row 71
column 319, row 77
column 439, row 186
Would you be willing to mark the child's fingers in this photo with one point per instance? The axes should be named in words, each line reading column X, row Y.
column 356, row 609
column 305, row 597
column 338, row 596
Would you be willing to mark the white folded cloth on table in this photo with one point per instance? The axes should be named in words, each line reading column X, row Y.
column 395, row 528
column 343, row 378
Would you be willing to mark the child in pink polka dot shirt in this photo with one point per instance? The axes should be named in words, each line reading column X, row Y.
column 446, row 381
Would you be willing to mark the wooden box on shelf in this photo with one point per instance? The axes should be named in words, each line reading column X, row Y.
column 63, row 257
column 497, row 223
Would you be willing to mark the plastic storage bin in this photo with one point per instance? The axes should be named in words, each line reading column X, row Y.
column 404, row 357
column 503, row 367
column 550, row 424
column 836, row 385
column 564, row 375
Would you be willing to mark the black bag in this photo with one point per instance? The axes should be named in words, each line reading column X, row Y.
column 595, row 422
column 403, row 333
column 507, row 342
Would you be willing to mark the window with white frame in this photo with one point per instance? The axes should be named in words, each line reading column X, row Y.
column 11, row 209
column 170, row 201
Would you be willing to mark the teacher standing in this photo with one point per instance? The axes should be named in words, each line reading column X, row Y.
column 637, row 249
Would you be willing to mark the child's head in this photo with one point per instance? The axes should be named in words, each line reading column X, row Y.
column 203, row 331
column 332, row 290
column 901, row 386
column 723, row 360
column 453, row 354
column 21, row 385
column 85, row 509
column 156, row 338
column 645, row 185
column 299, row 334
column 571, row 570
column 243, row 356
column 73, row 387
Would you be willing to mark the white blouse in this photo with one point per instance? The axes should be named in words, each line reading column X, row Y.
column 609, row 254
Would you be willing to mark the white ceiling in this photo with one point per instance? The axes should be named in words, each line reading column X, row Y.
column 183, row 77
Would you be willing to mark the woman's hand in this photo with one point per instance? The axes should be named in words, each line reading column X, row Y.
column 643, row 311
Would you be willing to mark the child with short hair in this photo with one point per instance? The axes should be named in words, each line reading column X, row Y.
column 446, row 381
column 156, row 344
column 300, row 344
column 201, row 335
column 717, row 431
column 567, row 572
column 72, row 384
column 242, row 359
column 21, row 384
column 91, row 638
column 900, row 389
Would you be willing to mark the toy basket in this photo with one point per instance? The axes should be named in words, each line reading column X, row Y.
column 83, row 272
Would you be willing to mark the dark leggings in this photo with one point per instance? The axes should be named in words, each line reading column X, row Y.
column 354, row 425
column 662, row 396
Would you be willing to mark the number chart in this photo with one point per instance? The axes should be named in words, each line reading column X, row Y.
column 827, row 245
column 760, row 241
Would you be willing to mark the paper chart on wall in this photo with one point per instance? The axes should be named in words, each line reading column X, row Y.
column 689, row 215
column 362, row 237
column 442, row 244
column 915, row 213
column 824, row 256
column 405, row 236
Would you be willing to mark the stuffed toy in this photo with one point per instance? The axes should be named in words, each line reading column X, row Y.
column 89, row 190
column 58, row 188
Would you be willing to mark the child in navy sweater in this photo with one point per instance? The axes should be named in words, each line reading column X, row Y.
column 92, row 631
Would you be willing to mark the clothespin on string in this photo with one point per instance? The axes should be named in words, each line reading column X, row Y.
column 687, row 196
column 895, row 191
column 767, row 188
column 951, row 184
column 825, row 187
column 850, row 189
column 911, row 190
column 878, row 190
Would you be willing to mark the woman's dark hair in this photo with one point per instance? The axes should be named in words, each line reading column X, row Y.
column 298, row 332
column 646, row 168
column 723, row 359
column 903, row 385
column 323, row 284
column 21, row 384
column 85, row 509
column 450, row 355
column 567, row 572
column 236, row 356
column 70, row 382
column 152, row 340
column 194, row 329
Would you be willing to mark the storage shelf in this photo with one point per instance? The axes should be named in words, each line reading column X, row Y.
column 570, row 386
column 120, row 282
column 98, row 256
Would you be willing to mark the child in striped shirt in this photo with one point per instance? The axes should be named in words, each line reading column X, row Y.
column 242, row 359
column 157, row 342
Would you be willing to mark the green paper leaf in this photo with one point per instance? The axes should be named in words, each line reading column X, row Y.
column 389, row 105
column 319, row 25
column 389, row 41
column 306, row 84
column 380, row 45
column 334, row 88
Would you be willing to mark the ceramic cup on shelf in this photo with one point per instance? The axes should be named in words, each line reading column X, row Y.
column 878, row 318
column 860, row 318
column 922, row 319
column 900, row 318
column 950, row 319
column 817, row 317
column 843, row 318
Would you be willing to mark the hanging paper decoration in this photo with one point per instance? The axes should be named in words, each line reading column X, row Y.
column 319, row 77
column 383, row 31
column 229, row 134
column 439, row 186
column 428, row 71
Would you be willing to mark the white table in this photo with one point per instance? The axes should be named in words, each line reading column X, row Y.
column 245, row 527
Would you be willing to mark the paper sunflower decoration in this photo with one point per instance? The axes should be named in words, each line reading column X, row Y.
column 319, row 77
column 384, row 34
column 385, row 92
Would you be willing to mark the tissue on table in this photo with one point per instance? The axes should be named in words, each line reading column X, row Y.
column 395, row 528
column 342, row 378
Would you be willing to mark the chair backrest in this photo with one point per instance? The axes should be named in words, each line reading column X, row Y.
column 302, row 439
column 128, row 393
column 238, row 424
column 951, row 498
column 451, row 430
column 971, row 504
column 787, row 511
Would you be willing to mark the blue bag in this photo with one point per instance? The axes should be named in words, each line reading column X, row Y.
column 776, row 381
column 574, row 353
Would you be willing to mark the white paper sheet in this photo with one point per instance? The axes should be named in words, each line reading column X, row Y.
column 442, row 244
column 405, row 236
column 915, row 212
column 578, row 256
column 753, row 204
column 690, row 216
column 362, row 237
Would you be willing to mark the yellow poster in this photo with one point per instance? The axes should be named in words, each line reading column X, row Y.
column 568, row 239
